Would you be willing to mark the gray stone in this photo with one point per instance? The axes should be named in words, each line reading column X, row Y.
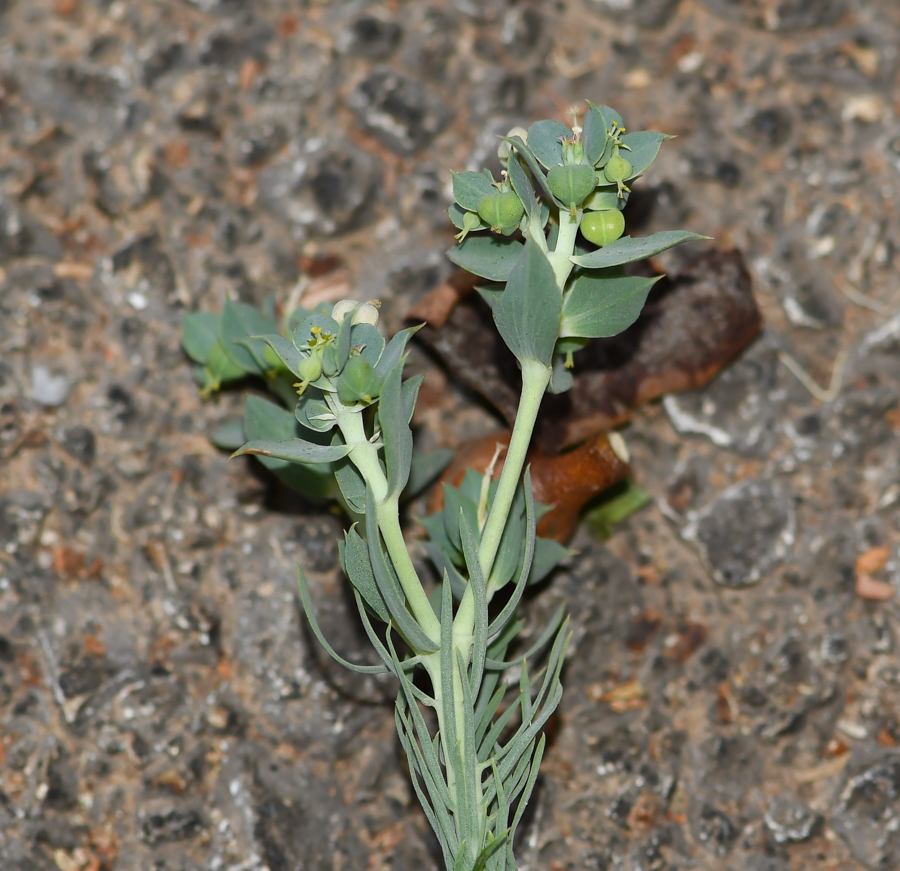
column 791, row 821
column 371, row 37
column 712, row 828
column 48, row 388
column 867, row 812
column 742, row 409
column 645, row 13
column 744, row 533
column 322, row 194
column 399, row 111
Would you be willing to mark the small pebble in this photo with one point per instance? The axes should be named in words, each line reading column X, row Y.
column 46, row 388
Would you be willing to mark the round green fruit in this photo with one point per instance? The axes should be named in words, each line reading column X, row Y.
column 618, row 169
column 309, row 369
column 601, row 228
column 571, row 184
column 501, row 210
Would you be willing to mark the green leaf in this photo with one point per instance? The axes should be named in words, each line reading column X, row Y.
column 491, row 295
column 547, row 556
column 424, row 468
column 369, row 341
column 509, row 609
column 509, row 553
column 562, row 379
column 199, row 332
column 239, row 322
column 492, row 257
column 628, row 249
column 395, row 350
column 521, row 184
column 618, row 503
column 351, row 484
column 533, row 164
column 264, row 420
column 527, row 315
column 602, row 307
column 469, row 188
column 544, row 139
column 221, row 366
column 306, row 599
column 389, row 586
column 228, row 436
column 410, row 392
column 644, row 147
column 303, row 333
column 395, row 431
column 355, row 560
column 309, row 409
column 285, row 349
column 608, row 115
column 294, row 451
column 470, row 539
column 594, row 135
column 458, row 215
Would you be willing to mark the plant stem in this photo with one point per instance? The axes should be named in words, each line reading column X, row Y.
column 364, row 455
column 535, row 378
column 565, row 246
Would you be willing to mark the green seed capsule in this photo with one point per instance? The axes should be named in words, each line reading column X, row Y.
column 309, row 369
column 601, row 228
column 618, row 169
column 571, row 184
column 501, row 210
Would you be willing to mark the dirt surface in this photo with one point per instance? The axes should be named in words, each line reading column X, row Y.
column 733, row 692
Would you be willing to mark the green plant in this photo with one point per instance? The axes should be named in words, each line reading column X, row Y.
column 475, row 758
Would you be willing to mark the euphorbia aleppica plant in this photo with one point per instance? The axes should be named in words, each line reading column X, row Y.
column 547, row 239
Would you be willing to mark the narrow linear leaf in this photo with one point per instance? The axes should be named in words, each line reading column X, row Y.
column 351, row 484
column 355, row 559
column 397, row 436
column 478, row 585
column 628, row 249
column 425, row 468
column 389, row 586
column 492, row 257
column 395, row 350
column 522, row 185
column 295, row 451
column 602, row 307
column 306, row 599
column 534, row 165
column 509, row 608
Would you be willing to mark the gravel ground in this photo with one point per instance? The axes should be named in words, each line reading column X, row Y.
column 733, row 696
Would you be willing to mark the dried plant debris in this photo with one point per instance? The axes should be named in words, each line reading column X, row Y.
column 697, row 320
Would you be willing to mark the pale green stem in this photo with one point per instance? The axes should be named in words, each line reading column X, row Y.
column 364, row 455
column 565, row 245
column 535, row 378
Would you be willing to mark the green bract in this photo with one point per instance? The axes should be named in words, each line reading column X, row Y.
column 342, row 431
